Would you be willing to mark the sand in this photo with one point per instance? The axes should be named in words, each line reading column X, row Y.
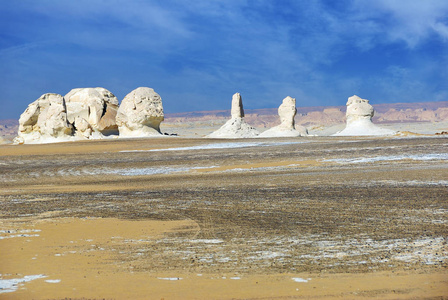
column 80, row 258
column 301, row 218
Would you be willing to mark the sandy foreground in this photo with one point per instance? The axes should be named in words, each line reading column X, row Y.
column 176, row 218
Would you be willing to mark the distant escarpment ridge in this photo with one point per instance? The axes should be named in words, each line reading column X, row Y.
column 323, row 115
column 436, row 111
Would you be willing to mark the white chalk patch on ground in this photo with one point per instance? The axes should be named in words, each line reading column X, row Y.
column 119, row 171
column 205, row 168
column 20, row 231
column 235, row 278
column 150, row 170
column 223, row 260
column 427, row 251
column 298, row 279
column 147, row 171
column 18, row 235
column 53, row 280
column 408, row 182
column 217, row 146
column 11, row 285
column 261, row 169
column 205, row 241
column 8, row 234
column 235, row 170
column 170, row 278
column 266, row 255
column 423, row 157
column 328, row 252
column 202, row 147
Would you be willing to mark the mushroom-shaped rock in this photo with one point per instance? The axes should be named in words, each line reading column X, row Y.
column 286, row 111
column 44, row 120
column 140, row 114
column 236, row 127
column 96, row 106
column 359, row 119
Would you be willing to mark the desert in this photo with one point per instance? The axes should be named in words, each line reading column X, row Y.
column 320, row 217
column 224, row 149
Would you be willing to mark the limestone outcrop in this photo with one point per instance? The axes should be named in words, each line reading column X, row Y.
column 236, row 127
column 286, row 111
column 87, row 113
column 359, row 119
column 44, row 120
column 140, row 114
column 92, row 111
column 237, row 110
column 84, row 129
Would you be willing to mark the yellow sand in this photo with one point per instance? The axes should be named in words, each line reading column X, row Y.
column 82, row 253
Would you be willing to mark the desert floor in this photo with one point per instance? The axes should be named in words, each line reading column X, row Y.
column 176, row 218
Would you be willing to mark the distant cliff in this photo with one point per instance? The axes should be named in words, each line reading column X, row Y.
column 323, row 115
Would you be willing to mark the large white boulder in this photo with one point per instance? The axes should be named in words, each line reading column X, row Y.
column 236, row 127
column 286, row 111
column 44, row 120
column 96, row 106
column 359, row 119
column 140, row 114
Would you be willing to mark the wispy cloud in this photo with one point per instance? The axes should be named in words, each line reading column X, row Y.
column 409, row 21
column 198, row 53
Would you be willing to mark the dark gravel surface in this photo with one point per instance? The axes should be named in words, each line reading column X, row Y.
column 311, row 204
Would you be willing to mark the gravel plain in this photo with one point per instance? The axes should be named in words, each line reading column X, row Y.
column 252, row 208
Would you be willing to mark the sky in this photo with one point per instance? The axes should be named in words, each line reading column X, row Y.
column 197, row 54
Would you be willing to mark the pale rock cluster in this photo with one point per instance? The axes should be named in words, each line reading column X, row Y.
column 94, row 113
column 237, row 127
column 359, row 119
column 90, row 113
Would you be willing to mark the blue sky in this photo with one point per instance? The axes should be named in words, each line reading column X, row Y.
column 197, row 54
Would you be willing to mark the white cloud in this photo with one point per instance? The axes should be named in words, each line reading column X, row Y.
column 203, row 51
column 408, row 21
column 121, row 25
column 441, row 29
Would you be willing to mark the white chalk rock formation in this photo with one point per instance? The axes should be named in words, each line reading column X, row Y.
column 286, row 111
column 359, row 119
column 140, row 114
column 44, row 120
column 83, row 128
column 92, row 111
column 302, row 130
column 236, row 127
column 237, row 110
